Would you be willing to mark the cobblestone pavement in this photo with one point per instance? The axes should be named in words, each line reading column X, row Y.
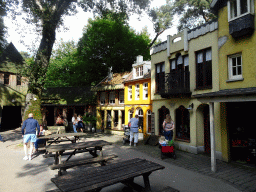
column 242, row 177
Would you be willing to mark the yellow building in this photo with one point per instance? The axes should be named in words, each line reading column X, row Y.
column 137, row 89
column 237, row 79
column 183, row 67
column 110, row 112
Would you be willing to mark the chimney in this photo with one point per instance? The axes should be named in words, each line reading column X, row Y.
column 110, row 74
column 139, row 59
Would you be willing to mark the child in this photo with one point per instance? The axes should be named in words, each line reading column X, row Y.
column 40, row 141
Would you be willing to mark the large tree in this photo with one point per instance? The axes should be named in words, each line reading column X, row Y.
column 3, row 10
column 48, row 15
column 190, row 13
column 62, row 70
column 108, row 42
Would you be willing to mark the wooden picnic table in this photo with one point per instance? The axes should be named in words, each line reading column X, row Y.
column 62, row 137
column 88, row 146
column 96, row 178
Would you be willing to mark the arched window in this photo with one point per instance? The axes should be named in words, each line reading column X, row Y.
column 149, row 121
column 182, row 123
column 130, row 115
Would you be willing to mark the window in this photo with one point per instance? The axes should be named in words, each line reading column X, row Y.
column 102, row 98
column 6, row 79
column 160, row 76
column 130, row 114
column 115, row 118
column 130, row 93
column 182, row 123
column 237, row 8
column 18, row 78
column 204, row 69
column 139, row 71
column 112, row 97
column 235, row 67
column 137, row 91
column 145, row 90
column 121, row 97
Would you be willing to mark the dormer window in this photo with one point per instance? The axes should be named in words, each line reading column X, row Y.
column 102, row 98
column 139, row 71
column 238, row 8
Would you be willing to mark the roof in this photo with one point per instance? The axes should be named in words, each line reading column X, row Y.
column 116, row 82
column 130, row 77
column 10, row 59
column 228, row 92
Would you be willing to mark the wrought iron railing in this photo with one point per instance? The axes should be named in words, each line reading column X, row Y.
column 174, row 83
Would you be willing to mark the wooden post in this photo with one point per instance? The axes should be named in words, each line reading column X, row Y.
column 152, row 123
column 212, row 135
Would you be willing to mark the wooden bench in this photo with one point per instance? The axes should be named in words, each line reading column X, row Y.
column 61, row 140
column 96, row 178
column 70, row 164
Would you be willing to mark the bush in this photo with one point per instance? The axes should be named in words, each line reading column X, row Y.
column 35, row 108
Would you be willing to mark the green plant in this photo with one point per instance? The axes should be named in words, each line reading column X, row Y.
column 35, row 108
column 89, row 119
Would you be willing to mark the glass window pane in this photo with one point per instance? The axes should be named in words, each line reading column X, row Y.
column 186, row 61
column 157, row 68
column 234, row 71
column 233, row 62
column 239, row 62
column 233, row 8
column 173, row 64
column 239, row 70
column 244, row 6
column 163, row 68
column 200, row 57
column 208, row 55
column 179, row 61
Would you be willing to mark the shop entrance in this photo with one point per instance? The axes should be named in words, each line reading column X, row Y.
column 240, row 123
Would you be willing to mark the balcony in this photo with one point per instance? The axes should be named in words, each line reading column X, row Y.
column 175, row 84
column 242, row 26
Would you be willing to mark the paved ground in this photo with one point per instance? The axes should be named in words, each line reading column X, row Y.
column 188, row 172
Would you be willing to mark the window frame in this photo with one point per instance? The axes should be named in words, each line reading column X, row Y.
column 204, row 67
column 250, row 9
column 111, row 95
column 145, row 91
column 121, row 97
column 18, row 79
column 129, row 92
column 139, row 71
column 6, row 79
column 157, row 79
column 230, row 67
column 102, row 94
column 137, row 90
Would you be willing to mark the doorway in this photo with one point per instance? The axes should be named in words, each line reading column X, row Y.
column 163, row 111
column 11, row 117
column 207, row 141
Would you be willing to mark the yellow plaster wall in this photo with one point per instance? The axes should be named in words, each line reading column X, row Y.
column 245, row 45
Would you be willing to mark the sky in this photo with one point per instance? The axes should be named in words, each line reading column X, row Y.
column 24, row 38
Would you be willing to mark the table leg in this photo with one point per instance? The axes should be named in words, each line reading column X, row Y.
column 146, row 181
column 56, row 158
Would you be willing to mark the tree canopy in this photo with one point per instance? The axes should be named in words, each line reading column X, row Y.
column 47, row 15
column 191, row 13
column 110, row 42
column 3, row 10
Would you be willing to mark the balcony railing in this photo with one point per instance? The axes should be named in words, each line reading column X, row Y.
column 174, row 83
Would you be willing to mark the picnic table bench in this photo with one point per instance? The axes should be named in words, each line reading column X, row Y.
column 96, row 178
column 89, row 146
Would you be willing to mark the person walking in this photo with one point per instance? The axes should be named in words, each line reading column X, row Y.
column 30, row 124
column 168, row 126
column 1, row 139
column 134, row 124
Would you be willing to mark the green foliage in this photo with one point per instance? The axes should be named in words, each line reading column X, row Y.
column 89, row 119
column 110, row 42
column 170, row 143
column 63, row 70
column 191, row 13
column 35, row 108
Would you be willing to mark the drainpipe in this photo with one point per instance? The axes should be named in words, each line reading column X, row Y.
column 212, row 135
